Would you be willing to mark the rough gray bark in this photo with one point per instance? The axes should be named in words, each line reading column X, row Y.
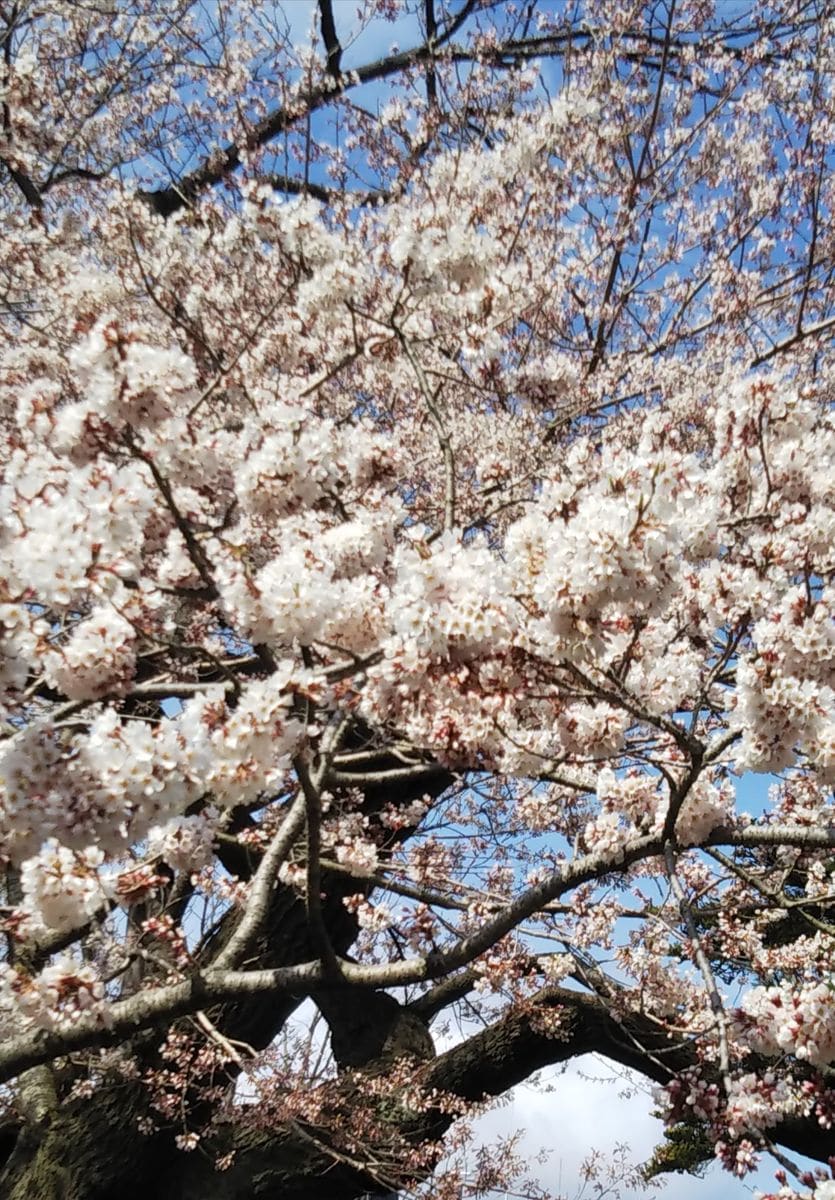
column 92, row 1150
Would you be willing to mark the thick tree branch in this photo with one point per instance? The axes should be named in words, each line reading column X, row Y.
column 332, row 46
column 30, row 191
column 300, row 187
column 261, row 888
column 431, row 33
column 219, row 166
column 149, row 1008
column 524, row 1041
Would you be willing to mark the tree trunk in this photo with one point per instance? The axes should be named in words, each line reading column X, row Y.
column 88, row 1149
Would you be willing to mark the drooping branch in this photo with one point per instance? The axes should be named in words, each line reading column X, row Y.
column 559, row 1024
column 526, row 1040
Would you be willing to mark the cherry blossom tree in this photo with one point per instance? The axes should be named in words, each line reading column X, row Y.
column 418, row 518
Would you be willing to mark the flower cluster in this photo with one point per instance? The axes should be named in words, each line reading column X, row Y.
column 62, row 888
column 61, row 994
column 495, row 517
column 98, row 658
column 792, row 1020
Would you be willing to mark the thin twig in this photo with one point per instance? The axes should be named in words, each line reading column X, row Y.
column 436, row 416
column 702, row 961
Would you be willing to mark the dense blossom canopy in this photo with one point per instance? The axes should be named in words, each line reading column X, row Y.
column 420, row 522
